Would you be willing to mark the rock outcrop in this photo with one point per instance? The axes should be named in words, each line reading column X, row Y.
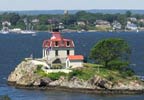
column 24, row 75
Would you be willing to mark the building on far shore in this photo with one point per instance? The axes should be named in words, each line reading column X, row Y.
column 57, row 49
column 102, row 23
column 81, row 23
column 131, row 26
column 116, row 25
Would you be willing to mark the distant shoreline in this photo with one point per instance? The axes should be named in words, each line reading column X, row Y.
column 75, row 31
column 73, row 11
column 69, row 31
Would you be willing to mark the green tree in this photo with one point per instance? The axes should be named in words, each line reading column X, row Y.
column 14, row 18
column 128, row 13
column 111, row 51
column 5, row 97
column 122, row 19
column 69, row 19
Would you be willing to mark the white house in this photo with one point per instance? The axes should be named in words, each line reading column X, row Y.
column 56, row 49
column 141, row 20
column 59, row 50
column 6, row 23
column 35, row 20
column 61, row 26
column 116, row 25
column 81, row 23
column 131, row 26
column 74, row 61
column 5, row 28
column 133, row 19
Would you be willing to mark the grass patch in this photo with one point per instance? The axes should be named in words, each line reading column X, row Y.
column 52, row 76
column 85, row 73
column 56, row 76
column 90, row 65
column 89, row 71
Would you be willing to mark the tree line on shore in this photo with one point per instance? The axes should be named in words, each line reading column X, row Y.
column 44, row 22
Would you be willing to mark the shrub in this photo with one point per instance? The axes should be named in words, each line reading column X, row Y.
column 39, row 67
column 118, row 65
column 40, row 72
column 75, row 73
column 52, row 76
column 55, row 76
column 110, row 77
column 127, row 72
column 5, row 97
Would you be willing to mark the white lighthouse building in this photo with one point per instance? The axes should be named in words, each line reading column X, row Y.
column 57, row 49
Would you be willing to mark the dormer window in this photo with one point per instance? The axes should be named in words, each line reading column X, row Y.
column 56, row 43
column 68, row 43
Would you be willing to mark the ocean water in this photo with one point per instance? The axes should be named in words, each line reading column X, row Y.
column 14, row 48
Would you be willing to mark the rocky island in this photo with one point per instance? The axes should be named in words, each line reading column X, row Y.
column 61, row 69
column 28, row 75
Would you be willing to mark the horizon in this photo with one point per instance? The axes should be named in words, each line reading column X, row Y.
column 61, row 11
column 72, row 10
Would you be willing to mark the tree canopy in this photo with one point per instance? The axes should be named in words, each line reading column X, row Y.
column 70, row 20
column 112, row 52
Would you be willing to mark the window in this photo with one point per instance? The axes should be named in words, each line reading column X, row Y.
column 68, row 52
column 68, row 43
column 56, row 43
column 56, row 52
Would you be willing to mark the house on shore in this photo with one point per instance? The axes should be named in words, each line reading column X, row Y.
column 57, row 50
column 102, row 23
column 5, row 27
column 131, row 26
column 116, row 25
column 132, row 19
column 81, row 23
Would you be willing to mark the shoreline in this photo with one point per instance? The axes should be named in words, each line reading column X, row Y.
column 91, row 31
column 75, row 31
column 80, row 90
column 24, row 76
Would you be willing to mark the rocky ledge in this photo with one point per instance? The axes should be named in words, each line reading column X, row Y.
column 25, row 76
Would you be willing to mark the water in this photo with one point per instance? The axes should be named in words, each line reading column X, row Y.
column 14, row 48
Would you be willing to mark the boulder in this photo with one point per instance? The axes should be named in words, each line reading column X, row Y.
column 27, row 80
column 58, row 82
column 37, row 82
column 45, row 81
column 42, row 82
column 129, row 85
column 24, row 73
column 100, row 82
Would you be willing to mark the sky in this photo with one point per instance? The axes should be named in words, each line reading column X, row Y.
column 6, row 5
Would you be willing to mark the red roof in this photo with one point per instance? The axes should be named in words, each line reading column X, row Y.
column 58, row 41
column 75, row 57
column 56, row 35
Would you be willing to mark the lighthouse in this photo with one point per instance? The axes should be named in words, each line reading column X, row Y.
column 57, row 48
